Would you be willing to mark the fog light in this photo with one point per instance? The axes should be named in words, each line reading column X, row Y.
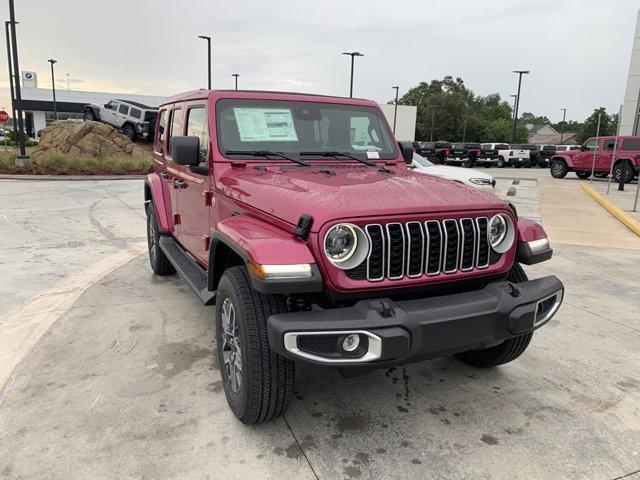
column 351, row 342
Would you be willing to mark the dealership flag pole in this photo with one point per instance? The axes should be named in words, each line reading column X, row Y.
column 615, row 149
column 595, row 150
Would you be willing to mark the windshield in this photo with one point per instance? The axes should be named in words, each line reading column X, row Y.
column 291, row 127
column 421, row 161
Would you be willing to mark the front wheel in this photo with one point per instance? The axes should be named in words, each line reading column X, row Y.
column 258, row 383
column 89, row 116
column 506, row 351
column 160, row 264
column 559, row 169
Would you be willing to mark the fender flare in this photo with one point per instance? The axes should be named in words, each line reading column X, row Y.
column 254, row 241
column 567, row 159
column 94, row 110
column 154, row 192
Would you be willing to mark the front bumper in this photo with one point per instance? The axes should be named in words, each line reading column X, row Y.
column 400, row 332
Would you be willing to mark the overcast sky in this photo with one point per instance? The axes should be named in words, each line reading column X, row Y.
column 578, row 51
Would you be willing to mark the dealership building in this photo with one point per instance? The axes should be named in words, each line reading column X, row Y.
column 630, row 120
column 37, row 103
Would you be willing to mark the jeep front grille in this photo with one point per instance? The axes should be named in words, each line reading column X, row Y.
column 413, row 249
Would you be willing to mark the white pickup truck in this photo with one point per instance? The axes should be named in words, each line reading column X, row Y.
column 510, row 156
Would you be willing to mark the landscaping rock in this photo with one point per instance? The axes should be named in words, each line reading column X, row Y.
column 88, row 138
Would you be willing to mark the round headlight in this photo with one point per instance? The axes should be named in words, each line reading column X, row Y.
column 346, row 245
column 501, row 233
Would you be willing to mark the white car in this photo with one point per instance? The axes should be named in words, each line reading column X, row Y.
column 518, row 157
column 467, row 176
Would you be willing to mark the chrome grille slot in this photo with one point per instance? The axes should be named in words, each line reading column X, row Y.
column 412, row 249
column 451, row 246
column 415, row 249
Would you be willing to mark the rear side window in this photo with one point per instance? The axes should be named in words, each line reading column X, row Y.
column 175, row 127
column 162, row 126
column 549, row 148
column 502, row 146
column 197, row 127
column 135, row 113
column 631, row 144
column 609, row 144
column 124, row 109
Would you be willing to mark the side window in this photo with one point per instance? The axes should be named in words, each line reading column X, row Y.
column 112, row 105
column 609, row 144
column 591, row 144
column 162, row 125
column 135, row 113
column 631, row 144
column 197, row 127
column 175, row 127
column 124, row 109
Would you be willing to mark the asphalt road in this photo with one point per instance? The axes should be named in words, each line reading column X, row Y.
column 124, row 383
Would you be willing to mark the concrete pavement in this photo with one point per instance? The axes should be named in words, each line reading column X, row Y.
column 124, row 384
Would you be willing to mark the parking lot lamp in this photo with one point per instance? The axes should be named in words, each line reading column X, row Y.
column 53, row 86
column 236, row 75
column 67, row 81
column 208, row 39
column 13, row 106
column 515, row 115
column 564, row 116
column 353, row 56
column 16, row 85
column 395, row 109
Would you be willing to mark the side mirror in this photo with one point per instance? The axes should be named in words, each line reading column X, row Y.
column 584, row 148
column 407, row 152
column 186, row 151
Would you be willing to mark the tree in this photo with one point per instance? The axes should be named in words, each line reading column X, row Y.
column 608, row 125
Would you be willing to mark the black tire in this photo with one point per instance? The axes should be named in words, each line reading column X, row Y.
column 583, row 174
column 89, row 116
column 558, row 169
column 501, row 163
column 617, row 172
column 527, row 164
column 518, row 165
column 506, row 351
column 266, row 379
column 160, row 264
column 130, row 131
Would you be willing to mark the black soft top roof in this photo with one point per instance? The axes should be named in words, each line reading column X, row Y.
column 137, row 104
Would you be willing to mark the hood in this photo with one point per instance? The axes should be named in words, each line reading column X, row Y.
column 352, row 191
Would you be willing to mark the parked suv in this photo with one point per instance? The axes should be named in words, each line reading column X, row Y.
column 508, row 155
column 546, row 152
column 313, row 250
column 133, row 118
column 435, row 152
column 598, row 154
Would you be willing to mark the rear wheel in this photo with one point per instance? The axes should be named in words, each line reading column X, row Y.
column 258, row 383
column 583, row 174
column 518, row 165
column 501, row 163
column 558, row 169
column 506, row 351
column 129, row 131
column 617, row 173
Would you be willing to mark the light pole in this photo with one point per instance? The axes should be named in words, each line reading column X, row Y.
column 564, row 116
column 16, row 70
column 13, row 106
column 464, row 129
column 395, row 109
column 433, row 117
column 53, row 86
column 67, row 81
column 208, row 39
column 515, row 115
column 353, row 56
column 515, row 99
column 236, row 75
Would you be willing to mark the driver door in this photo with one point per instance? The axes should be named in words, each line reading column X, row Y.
column 108, row 114
column 584, row 159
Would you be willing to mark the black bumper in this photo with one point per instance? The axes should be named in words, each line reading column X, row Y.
column 413, row 330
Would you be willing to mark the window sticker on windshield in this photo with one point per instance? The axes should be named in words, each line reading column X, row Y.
column 265, row 124
column 374, row 154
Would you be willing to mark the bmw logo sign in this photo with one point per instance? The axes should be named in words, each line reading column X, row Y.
column 28, row 75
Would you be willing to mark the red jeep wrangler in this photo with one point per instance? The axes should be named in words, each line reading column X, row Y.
column 295, row 215
column 598, row 153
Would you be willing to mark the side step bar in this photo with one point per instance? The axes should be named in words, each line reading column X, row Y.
column 188, row 268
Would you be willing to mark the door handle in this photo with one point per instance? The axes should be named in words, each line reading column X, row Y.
column 179, row 184
column 164, row 175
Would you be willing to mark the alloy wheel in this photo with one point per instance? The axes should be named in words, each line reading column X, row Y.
column 152, row 238
column 231, row 351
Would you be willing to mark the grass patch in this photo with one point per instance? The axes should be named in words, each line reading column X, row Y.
column 86, row 165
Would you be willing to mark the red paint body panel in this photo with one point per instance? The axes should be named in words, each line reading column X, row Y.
column 528, row 231
column 264, row 243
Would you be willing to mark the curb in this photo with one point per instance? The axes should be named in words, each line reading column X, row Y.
column 625, row 219
column 71, row 177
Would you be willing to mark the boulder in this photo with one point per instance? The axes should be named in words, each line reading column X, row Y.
column 88, row 138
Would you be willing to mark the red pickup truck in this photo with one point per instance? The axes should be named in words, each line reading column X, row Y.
column 316, row 249
column 598, row 154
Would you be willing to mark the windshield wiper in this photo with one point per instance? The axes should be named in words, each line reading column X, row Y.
column 344, row 154
column 267, row 154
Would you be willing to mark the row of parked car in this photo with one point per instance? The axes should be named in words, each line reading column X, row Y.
column 468, row 154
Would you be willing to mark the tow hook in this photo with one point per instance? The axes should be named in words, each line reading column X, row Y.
column 384, row 309
column 513, row 290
